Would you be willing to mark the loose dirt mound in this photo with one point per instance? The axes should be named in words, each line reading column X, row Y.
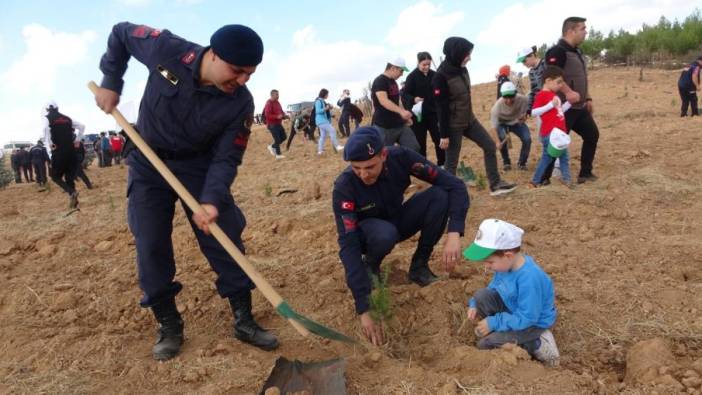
column 623, row 253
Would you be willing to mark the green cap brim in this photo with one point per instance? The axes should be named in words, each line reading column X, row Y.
column 405, row 68
column 475, row 252
column 521, row 59
column 554, row 152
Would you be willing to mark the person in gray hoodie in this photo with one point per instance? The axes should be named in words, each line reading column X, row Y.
column 451, row 86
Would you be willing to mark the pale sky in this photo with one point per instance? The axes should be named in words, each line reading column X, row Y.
column 51, row 49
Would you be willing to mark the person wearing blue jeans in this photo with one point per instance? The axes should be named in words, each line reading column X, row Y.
column 508, row 114
column 547, row 161
column 522, row 132
column 323, row 121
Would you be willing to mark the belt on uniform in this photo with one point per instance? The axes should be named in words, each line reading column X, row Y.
column 178, row 155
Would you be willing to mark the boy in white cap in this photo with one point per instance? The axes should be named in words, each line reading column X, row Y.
column 508, row 114
column 518, row 304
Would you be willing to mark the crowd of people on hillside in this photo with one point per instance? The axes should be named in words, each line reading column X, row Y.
column 61, row 154
column 368, row 199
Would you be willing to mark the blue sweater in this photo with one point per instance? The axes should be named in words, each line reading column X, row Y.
column 529, row 297
column 320, row 112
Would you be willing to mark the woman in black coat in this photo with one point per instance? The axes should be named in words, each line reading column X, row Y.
column 418, row 89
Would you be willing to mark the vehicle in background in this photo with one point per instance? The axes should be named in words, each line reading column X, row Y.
column 12, row 145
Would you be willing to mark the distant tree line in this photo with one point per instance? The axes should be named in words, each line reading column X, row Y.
column 665, row 41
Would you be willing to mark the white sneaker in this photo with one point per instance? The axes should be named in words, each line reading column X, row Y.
column 547, row 351
column 271, row 149
column 339, row 147
column 279, row 157
column 320, row 153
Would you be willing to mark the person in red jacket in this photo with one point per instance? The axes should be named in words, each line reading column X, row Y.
column 273, row 112
column 116, row 142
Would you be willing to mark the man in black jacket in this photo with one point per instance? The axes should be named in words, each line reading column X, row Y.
column 80, row 157
column 451, row 86
column 39, row 158
column 566, row 55
column 16, row 163
column 63, row 155
column 344, row 103
column 26, row 164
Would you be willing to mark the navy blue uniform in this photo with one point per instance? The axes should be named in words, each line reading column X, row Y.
column 201, row 133
column 39, row 158
column 371, row 219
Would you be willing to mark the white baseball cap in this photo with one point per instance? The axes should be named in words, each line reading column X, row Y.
column 523, row 53
column 508, row 89
column 399, row 62
column 493, row 234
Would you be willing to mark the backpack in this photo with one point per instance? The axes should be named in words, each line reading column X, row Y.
column 313, row 112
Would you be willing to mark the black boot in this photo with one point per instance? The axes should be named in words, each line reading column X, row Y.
column 170, row 330
column 419, row 272
column 245, row 327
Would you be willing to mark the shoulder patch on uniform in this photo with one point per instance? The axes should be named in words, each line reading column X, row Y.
column 188, row 57
column 424, row 171
column 437, row 92
column 143, row 31
column 350, row 222
column 347, row 205
column 241, row 140
column 552, row 60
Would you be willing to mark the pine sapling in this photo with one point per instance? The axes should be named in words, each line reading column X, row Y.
column 380, row 303
column 481, row 182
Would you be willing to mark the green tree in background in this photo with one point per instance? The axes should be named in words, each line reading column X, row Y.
column 664, row 41
column 6, row 175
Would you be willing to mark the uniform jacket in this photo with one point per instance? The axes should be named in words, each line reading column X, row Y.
column 38, row 154
column 177, row 115
column 353, row 201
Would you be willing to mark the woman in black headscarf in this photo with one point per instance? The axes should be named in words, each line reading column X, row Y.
column 451, row 85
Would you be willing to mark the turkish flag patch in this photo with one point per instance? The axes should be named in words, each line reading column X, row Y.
column 437, row 92
column 552, row 60
column 188, row 57
column 347, row 205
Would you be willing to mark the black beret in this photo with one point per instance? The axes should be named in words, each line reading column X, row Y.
column 363, row 144
column 238, row 45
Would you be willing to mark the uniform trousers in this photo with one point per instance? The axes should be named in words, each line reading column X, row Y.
column 150, row 211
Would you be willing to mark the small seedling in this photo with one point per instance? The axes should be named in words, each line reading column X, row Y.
column 380, row 304
column 481, row 182
column 466, row 173
column 268, row 190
